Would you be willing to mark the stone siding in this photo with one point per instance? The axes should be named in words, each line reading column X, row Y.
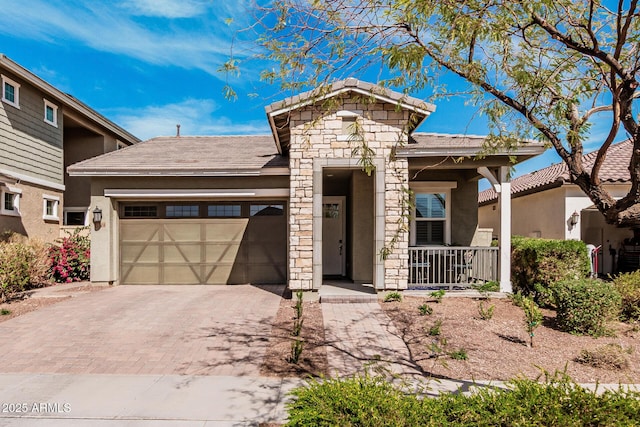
column 318, row 134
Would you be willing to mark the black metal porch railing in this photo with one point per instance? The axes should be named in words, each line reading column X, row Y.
column 452, row 267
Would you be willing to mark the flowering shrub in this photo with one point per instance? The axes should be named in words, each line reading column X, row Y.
column 23, row 265
column 70, row 258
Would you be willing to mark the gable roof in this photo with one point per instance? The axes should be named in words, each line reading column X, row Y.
column 278, row 112
column 250, row 155
column 614, row 169
column 67, row 100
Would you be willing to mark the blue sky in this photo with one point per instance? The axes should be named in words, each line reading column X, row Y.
column 151, row 64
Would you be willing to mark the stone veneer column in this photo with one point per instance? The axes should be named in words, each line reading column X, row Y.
column 316, row 134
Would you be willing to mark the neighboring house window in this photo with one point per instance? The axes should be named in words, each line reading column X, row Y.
column 50, row 207
column 10, row 201
column 50, row 113
column 140, row 211
column 75, row 216
column 176, row 211
column 430, row 223
column 266, row 210
column 224, row 210
column 10, row 92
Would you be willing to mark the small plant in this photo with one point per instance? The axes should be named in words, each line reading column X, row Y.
column 437, row 295
column 425, row 309
column 532, row 316
column 460, row 354
column 435, row 329
column 393, row 296
column 5, row 312
column 608, row 356
column 487, row 287
column 516, row 299
column 297, row 345
column 584, row 306
column 485, row 312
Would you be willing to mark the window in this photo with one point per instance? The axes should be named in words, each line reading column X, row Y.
column 75, row 216
column 430, row 224
column 224, row 210
column 10, row 92
column 50, row 113
column 266, row 210
column 174, row 211
column 50, row 207
column 10, row 201
column 140, row 211
column 430, row 218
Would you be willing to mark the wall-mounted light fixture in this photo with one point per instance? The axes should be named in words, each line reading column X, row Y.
column 574, row 218
column 97, row 216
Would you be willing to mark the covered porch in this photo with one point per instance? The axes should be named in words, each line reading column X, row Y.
column 447, row 249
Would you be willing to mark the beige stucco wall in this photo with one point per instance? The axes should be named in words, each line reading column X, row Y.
column 317, row 136
column 30, row 223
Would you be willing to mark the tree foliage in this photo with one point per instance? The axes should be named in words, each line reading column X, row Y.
column 543, row 69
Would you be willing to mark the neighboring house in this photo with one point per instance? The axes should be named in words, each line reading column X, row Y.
column 546, row 204
column 296, row 206
column 42, row 131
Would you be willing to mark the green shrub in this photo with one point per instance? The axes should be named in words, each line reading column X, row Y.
column 584, row 306
column 485, row 312
column 537, row 264
column 628, row 286
column 425, row 309
column 370, row 401
column 460, row 354
column 437, row 295
column 435, row 329
column 23, row 265
column 70, row 258
column 393, row 296
column 532, row 316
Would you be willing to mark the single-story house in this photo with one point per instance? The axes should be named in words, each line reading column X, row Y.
column 325, row 195
column 546, row 204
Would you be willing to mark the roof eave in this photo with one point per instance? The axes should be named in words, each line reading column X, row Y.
column 269, row 171
column 465, row 151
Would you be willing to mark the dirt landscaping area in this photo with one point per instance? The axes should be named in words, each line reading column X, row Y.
column 497, row 349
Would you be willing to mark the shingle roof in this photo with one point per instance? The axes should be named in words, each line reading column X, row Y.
column 614, row 169
column 434, row 144
column 189, row 155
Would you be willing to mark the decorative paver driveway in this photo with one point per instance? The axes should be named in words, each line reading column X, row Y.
column 188, row 330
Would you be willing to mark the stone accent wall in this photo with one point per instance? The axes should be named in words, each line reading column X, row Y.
column 318, row 134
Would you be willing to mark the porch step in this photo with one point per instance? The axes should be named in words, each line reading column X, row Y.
column 348, row 299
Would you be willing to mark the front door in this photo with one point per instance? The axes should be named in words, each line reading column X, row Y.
column 333, row 236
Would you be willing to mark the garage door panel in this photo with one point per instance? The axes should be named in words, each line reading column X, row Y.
column 176, row 274
column 203, row 250
column 132, row 253
column 182, row 253
column 140, row 274
column 221, row 252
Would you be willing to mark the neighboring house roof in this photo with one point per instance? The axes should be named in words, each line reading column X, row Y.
column 189, row 156
column 615, row 169
column 433, row 144
column 278, row 112
column 67, row 100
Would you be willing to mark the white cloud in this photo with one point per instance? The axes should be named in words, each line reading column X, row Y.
column 202, row 42
column 166, row 8
column 195, row 117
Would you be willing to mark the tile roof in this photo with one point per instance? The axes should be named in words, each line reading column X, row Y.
column 614, row 169
column 189, row 155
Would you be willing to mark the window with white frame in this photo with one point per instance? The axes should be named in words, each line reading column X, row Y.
column 431, row 223
column 50, row 113
column 10, row 201
column 10, row 91
column 50, row 207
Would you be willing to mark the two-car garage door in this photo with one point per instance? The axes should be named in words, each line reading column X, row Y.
column 250, row 249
